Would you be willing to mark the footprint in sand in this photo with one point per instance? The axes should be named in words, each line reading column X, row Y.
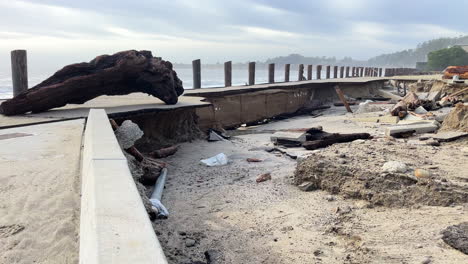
column 10, row 230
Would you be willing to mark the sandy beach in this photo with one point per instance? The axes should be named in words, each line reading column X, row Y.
column 39, row 193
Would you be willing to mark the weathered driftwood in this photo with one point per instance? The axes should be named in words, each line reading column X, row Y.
column 330, row 139
column 164, row 152
column 119, row 74
column 400, row 109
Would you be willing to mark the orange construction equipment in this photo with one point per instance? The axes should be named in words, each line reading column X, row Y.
column 461, row 71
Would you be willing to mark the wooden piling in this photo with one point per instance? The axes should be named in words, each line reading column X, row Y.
column 341, row 71
column 300, row 74
column 347, row 72
column 342, row 98
column 196, row 66
column 319, row 72
column 361, row 71
column 271, row 73
column 287, row 70
column 251, row 73
column 335, row 72
column 309, row 72
column 19, row 71
column 228, row 74
column 328, row 72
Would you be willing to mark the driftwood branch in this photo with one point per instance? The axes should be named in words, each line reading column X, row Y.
column 118, row 74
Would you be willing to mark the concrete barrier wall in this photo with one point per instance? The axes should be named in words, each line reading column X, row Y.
column 114, row 226
column 233, row 109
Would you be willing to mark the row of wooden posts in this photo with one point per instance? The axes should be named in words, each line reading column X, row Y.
column 344, row 72
column 19, row 69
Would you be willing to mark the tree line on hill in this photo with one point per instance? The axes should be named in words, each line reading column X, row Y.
column 405, row 58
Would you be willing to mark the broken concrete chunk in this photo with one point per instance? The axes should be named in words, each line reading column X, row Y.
column 420, row 110
column 417, row 128
column 387, row 119
column 434, row 96
column 307, row 186
column 289, row 136
column 394, row 166
column 127, row 134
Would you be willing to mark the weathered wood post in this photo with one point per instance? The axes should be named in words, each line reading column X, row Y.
column 309, row 72
column 196, row 66
column 319, row 72
column 341, row 71
column 287, row 69
column 271, row 73
column 353, row 71
column 335, row 72
column 328, row 71
column 300, row 75
column 347, row 72
column 251, row 73
column 227, row 74
column 19, row 71
column 361, row 69
column 380, row 72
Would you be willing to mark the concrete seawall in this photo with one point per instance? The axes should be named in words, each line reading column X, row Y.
column 114, row 226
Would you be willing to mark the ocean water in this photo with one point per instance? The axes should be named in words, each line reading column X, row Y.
column 210, row 78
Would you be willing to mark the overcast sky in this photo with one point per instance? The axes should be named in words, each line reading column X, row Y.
column 58, row 32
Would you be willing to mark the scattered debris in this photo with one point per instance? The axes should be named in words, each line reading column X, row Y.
column 422, row 174
column 307, row 186
column 379, row 189
column 457, row 119
column 368, row 107
column 417, row 128
column 127, row 134
column 215, row 136
column 254, row 160
column 164, row 152
column 155, row 199
column 457, row 236
column 386, row 119
column 320, row 139
column 444, row 136
column 288, row 137
column 190, row 242
column 263, row 177
column 342, row 98
column 218, row 160
column 400, row 109
column 394, row 166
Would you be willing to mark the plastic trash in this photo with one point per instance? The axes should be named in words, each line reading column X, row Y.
column 218, row 160
column 213, row 136
column 160, row 208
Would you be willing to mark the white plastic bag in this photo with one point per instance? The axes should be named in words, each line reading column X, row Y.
column 218, row 160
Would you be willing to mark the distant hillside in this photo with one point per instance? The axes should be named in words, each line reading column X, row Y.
column 408, row 58
column 299, row 59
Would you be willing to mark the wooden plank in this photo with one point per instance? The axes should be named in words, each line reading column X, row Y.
column 309, row 72
column 341, row 71
column 328, row 71
column 342, row 98
column 335, row 72
column 319, row 72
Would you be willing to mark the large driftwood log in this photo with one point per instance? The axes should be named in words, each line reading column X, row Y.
column 118, row 74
